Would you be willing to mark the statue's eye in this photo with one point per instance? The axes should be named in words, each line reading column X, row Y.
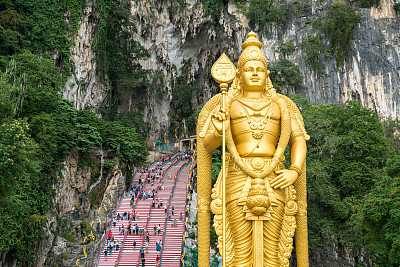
column 248, row 69
column 259, row 69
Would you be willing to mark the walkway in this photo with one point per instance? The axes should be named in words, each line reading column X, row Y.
column 171, row 253
column 175, row 177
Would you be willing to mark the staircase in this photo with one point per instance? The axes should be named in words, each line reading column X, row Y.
column 154, row 216
column 175, row 175
column 171, row 252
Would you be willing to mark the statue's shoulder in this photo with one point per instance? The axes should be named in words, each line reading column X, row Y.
column 204, row 117
column 294, row 113
column 211, row 104
column 290, row 104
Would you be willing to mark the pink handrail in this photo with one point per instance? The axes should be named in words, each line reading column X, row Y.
column 109, row 227
column 169, row 204
column 190, row 177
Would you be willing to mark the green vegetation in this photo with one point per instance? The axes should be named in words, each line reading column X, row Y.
column 191, row 257
column 367, row 3
column 339, row 27
column 397, row 7
column 118, row 54
column 214, row 8
column 182, row 94
column 38, row 128
column 300, row 5
column 286, row 48
column 312, row 47
column 39, row 25
column 285, row 75
column 262, row 12
column 352, row 174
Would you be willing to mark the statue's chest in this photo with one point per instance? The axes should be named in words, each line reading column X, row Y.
column 257, row 110
column 255, row 118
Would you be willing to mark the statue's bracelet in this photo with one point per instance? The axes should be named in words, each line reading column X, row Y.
column 217, row 134
column 295, row 168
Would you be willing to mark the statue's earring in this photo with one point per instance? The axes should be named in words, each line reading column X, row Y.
column 268, row 87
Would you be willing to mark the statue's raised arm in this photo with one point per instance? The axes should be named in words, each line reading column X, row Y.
column 265, row 202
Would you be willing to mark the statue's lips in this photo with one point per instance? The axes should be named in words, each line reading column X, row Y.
column 255, row 79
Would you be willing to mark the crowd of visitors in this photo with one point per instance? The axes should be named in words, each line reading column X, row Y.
column 148, row 176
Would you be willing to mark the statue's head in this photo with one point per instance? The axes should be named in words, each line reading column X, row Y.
column 252, row 70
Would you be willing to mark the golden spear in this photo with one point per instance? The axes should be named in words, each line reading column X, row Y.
column 223, row 71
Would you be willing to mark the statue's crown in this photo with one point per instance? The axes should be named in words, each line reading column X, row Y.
column 251, row 51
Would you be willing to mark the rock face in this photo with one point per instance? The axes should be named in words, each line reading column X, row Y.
column 174, row 34
column 66, row 227
column 83, row 87
column 371, row 70
column 370, row 73
column 74, row 184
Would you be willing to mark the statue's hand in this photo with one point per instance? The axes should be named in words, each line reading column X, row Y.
column 284, row 178
column 218, row 118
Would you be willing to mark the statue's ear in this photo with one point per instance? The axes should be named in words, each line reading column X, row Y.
column 238, row 73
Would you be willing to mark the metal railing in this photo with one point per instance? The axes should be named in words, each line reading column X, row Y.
column 169, row 204
column 102, row 244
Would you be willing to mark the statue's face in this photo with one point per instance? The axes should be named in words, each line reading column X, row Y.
column 253, row 76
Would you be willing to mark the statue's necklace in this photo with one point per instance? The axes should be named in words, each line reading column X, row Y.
column 257, row 123
column 255, row 104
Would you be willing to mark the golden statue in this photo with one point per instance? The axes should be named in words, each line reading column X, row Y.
column 257, row 203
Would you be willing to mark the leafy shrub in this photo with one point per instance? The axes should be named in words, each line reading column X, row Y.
column 312, row 47
column 127, row 144
column 192, row 235
column 396, row 7
column 284, row 75
column 368, row 3
column 339, row 28
column 286, row 48
column 262, row 12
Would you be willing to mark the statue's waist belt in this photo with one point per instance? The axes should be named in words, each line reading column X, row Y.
column 258, row 164
column 238, row 179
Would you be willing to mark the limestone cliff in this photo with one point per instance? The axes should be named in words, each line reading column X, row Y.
column 370, row 73
column 77, row 215
column 83, row 87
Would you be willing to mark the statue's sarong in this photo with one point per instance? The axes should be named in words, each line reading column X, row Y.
column 237, row 186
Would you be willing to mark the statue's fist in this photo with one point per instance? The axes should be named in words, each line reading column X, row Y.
column 218, row 118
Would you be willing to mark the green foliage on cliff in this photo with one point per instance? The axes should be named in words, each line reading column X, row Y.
column 285, row 75
column 339, row 27
column 42, row 26
column 262, row 12
column 37, row 130
column 118, row 54
column 367, row 3
column 183, row 93
column 313, row 47
column 396, row 7
column 286, row 48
